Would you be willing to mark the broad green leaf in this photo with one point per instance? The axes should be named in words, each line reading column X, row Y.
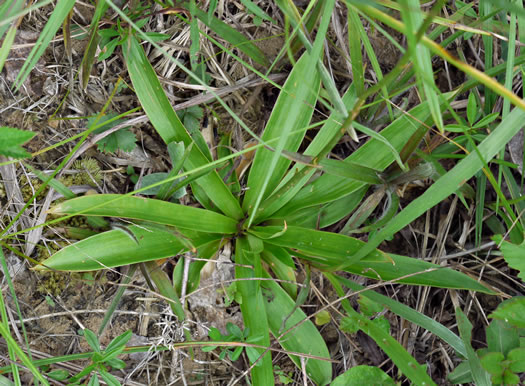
column 148, row 209
column 119, row 341
column 12, row 140
column 303, row 338
column 168, row 125
column 60, row 12
column 492, row 362
column 517, row 356
column 363, row 375
column 511, row 311
column 431, row 274
column 501, row 336
column 374, row 154
column 57, row 375
column 253, row 308
column 289, row 186
column 292, row 111
column 351, row 171
column 282, row 266
column 115, row 248
column 331, row 250
column 461, row 374
column 108, row 377
column 153, row 178
column 513, row 255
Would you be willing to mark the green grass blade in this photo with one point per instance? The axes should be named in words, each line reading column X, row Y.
column 20, row 354
column 292, row 111
column 94, row 38
column 115, row 248
column 291, row 12
column 355, row 50
column 5, row 319
column 303, row 338
column 406, row 312
column 6, row 46
column 7, row 10
column 257, row 11
column 481, row 377
column 450, row 182
column 231, row 35
column 253, row 308
column 168, row 125
column 421, row 59
column 148, row 209
column 406, row 363
column 60, row 12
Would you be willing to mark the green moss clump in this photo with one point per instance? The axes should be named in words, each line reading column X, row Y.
column 90, row 172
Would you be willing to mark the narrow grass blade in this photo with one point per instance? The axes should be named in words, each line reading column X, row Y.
column 115, row 248
column 481, row 377
column 94, row 38
column 168, row 125
column 60, row 12
column 53, row 182
column 303, row 338
column 6, row 46
column 420, row 55
column 28, row 362
column 406, row 363
column 257, row 11
column 7, row 10
column 355, row 50
column 163, row 284
column 328, row 82
column 148, row 209
column 231, row 35
column 406, row 312
column 452, row 181
column 253, row 308
column 292, row 111
column 117, row 297
column 435, row 48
